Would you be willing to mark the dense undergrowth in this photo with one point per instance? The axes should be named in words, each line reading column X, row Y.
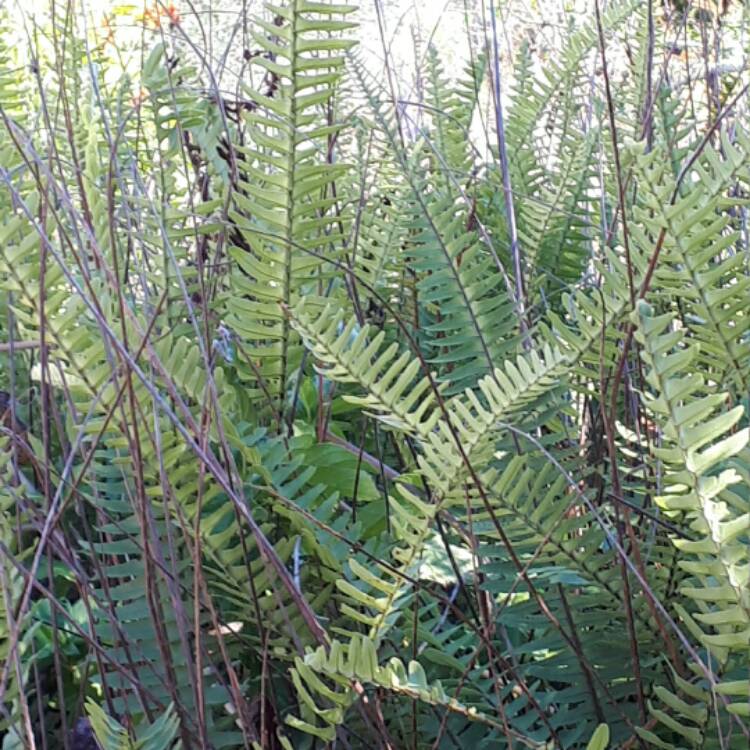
column 334, row 423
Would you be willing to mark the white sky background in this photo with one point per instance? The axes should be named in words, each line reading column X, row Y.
column 407, row 28
column 408, row 25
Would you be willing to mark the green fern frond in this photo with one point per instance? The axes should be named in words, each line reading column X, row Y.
column 284, row 198
column 705, row 459
column 699, row 266
column 469, row 324
column 357, row 662
column 348, row 354
column 111, row 735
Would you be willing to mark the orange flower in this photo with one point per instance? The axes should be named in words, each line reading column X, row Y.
column 173, row 14
column 108, row 29
column 153, row 17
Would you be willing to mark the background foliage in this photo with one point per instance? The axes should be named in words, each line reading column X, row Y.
column 343, row 411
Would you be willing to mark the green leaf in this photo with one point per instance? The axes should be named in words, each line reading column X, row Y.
column 600, row 739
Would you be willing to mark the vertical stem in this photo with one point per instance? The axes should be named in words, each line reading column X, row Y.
column 389, row 71
column 616, row 151
column 648, row 125
column 510, row 214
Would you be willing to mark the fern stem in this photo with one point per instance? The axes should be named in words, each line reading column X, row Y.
column 510, row 213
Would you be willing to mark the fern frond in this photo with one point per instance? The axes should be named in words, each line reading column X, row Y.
column 705, row 459
column 357, row 661
column 467, row 316
column 284, row 198
column 111, row 735
column 699, row 265
column 389, row 378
